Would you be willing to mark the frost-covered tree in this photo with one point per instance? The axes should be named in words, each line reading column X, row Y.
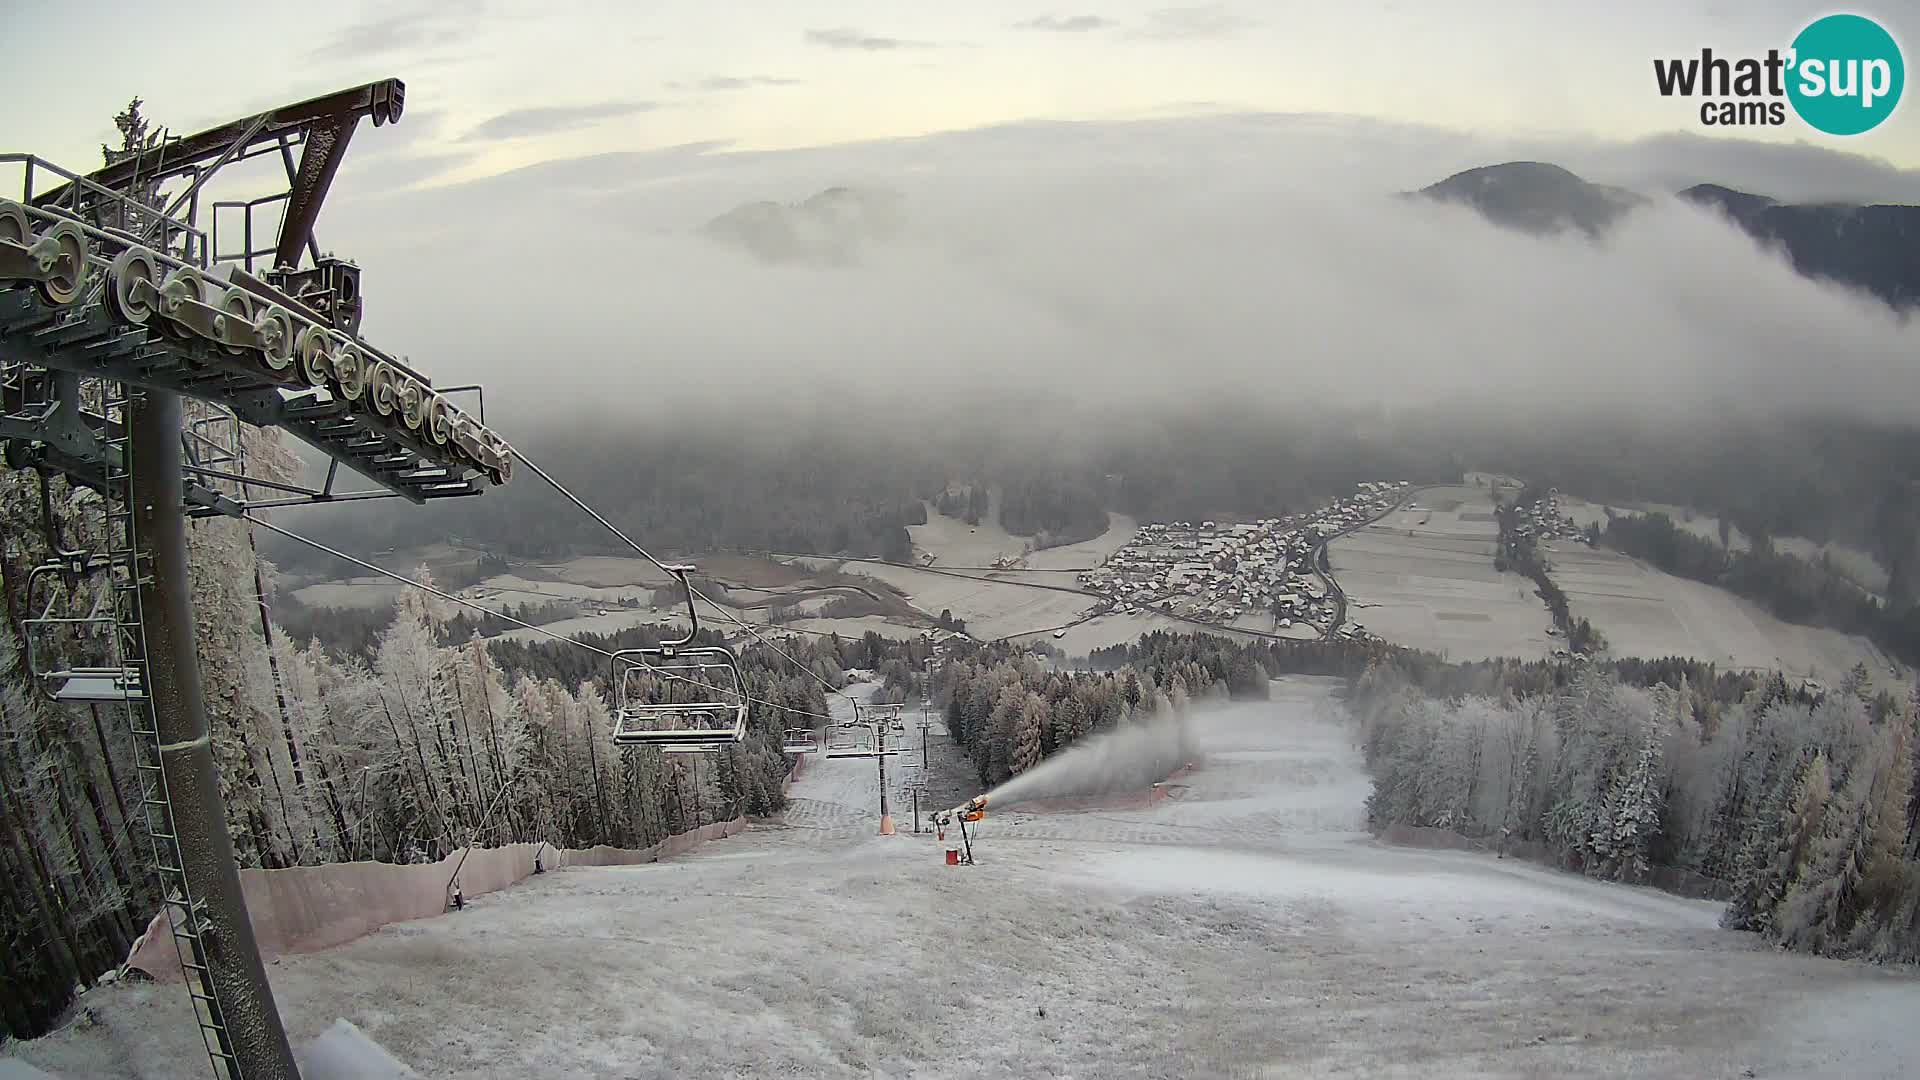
column 1028, row 727
column 1633, row 808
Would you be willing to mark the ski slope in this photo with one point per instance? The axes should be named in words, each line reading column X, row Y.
column 1246, row 927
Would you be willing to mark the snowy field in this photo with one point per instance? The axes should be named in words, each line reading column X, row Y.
column 1851, row 563
column 1116, row 628
column 1856, row 565
column 1423, row 577
column 1703, row 525
column 1246, row 928
column 992, row 609
column 953, row 542
column 1087, row 553
column 502, row 590
column 1644, row 612
column 848, row 628
column 360, row 592
column 1105, row 630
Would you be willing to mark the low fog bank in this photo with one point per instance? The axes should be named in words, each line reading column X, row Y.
column 1130, row 268
column 1125, row 759
column 1133, row 757
column 1169, row 320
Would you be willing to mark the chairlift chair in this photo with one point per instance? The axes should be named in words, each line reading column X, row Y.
column 851, row 742
column 678, row 694
column 48, row 586
column 799, row 741
column 864, row 744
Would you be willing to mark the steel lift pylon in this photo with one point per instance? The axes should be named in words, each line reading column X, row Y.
column 115, row 308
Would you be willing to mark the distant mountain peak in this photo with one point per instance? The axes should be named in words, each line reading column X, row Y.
column 1873, row 248
column 830, row 227
column 1535, row 196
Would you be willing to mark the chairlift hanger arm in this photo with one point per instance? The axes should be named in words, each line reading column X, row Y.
column 679, row 572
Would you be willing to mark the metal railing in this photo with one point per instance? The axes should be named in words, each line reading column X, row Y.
column 129, row 213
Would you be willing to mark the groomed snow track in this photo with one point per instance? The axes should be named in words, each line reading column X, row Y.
column 1244, row 928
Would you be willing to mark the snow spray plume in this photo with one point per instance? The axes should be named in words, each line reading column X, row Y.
column 1126, row 759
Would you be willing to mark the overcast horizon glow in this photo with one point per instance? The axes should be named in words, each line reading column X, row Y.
column 509, row 83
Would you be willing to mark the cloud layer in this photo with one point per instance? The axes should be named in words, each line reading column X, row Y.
column 843, row 37
column 1066, row 24
column 548, row 119
column 1199, row 22
column 1243, row 260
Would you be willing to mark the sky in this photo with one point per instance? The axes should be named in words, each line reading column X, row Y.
column 1130, row 205
column 499, row 84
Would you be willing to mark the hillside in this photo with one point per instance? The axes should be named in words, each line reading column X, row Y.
column 831, row 228
column 1534, row 196
column 1872, row 248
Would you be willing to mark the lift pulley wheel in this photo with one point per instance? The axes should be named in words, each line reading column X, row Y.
column 133, row 285
column 14, row 226
column 236, row 320
column 380, row 388
column 350, row 372
column 277, row 338
column 65, row 264
column 315, row 349
column 413, row 405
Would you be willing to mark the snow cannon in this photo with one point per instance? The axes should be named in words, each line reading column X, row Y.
column 974, row 810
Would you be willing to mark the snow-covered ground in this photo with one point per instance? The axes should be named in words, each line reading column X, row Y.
column 1643, row 611
column 991, row 608
column 1856, row 565
column 1245, row 928
column 953, row 542
column 1087, row 553
column 1424, row 577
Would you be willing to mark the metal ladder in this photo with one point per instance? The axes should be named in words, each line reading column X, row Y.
column 185, row 912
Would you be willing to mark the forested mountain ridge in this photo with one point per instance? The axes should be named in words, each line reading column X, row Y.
column 1873, row 248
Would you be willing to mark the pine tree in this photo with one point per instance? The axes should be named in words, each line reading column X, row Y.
column 1634, row 808
column 1818, row 908
column 1032, row 721
column 1886, row 876
column 1069, row 721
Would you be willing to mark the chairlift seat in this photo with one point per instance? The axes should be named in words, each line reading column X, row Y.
column 50, row 588
column 678, row 694
column 694, row 747
column 95, row 685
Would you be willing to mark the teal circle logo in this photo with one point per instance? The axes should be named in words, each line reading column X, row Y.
column 1846, row 74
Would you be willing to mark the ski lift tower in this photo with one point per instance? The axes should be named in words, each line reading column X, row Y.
column 115, row 305
column 875, row 721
